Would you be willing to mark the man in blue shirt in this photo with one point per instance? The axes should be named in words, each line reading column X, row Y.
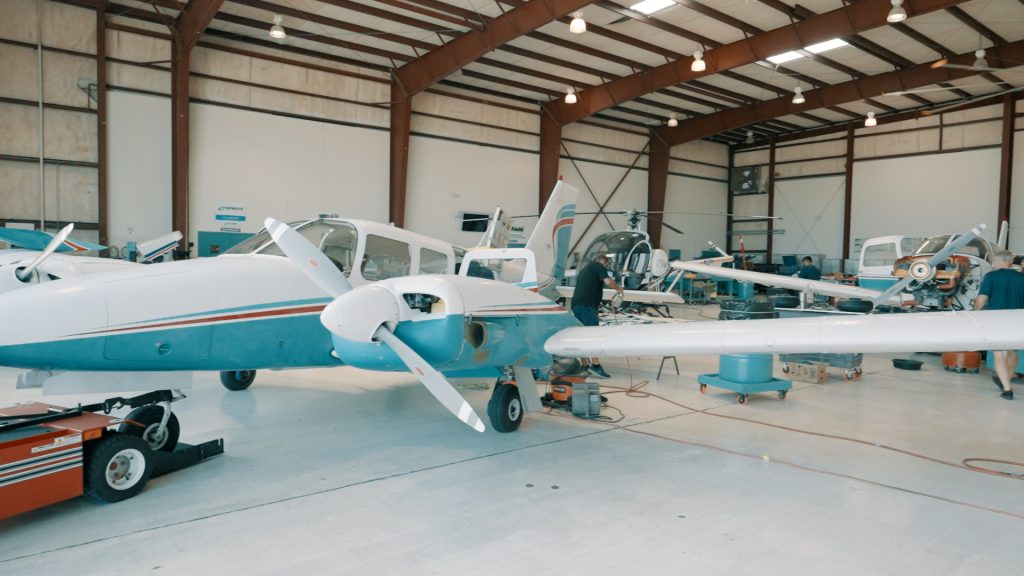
column 1002, row 289
column 590, row 283
column 808, row 271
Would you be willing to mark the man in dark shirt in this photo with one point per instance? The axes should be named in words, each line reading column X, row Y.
column 1002, row 289
column 590, row 283
column 808, row 271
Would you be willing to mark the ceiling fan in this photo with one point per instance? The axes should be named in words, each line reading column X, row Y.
column 980, row 63
column 959, row 103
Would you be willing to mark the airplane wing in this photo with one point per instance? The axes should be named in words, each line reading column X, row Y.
column 638, row 296
column 871, row 333
column 789, row 282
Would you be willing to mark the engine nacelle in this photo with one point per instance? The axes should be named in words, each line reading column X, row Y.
column 10, row 279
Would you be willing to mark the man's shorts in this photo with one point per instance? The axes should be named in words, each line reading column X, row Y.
column 587, row 315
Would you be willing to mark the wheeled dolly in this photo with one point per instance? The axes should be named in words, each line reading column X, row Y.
column 49, row 454
column 745, row 374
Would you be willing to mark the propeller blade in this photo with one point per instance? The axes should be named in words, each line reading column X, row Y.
column 308, row 258
column 935, row 260
column 26, row 273
column 432, row 379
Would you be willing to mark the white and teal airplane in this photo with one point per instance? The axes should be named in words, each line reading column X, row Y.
column 252, row 308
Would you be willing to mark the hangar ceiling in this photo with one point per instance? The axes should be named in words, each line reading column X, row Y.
column 633, row 70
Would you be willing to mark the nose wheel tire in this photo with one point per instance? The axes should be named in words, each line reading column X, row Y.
column 236, row 380
column 149, row 417
column 117, row 467
column 505, row 409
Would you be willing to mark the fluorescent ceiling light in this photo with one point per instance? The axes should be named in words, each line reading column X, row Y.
column 784, row 57
column 827, row 45
column 651, row 6
column 813, row 48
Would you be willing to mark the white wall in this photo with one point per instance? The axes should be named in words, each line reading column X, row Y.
column 694, row 195
column 448, row 177
column 926, row 195
column 287, row 168
column 139, row 185
column 812, row 216
column 632, row 194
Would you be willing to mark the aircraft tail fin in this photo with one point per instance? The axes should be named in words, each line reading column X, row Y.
column 37, row 240
column 1004, row 234
column 497, row 231
column 157, row 247
column 550, row 239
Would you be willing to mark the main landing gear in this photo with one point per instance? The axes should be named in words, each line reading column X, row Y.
column 505, row 408
column 236, row 380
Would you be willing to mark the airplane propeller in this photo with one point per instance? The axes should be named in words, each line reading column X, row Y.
column 924, row 270
column 25, row 274
column 366, row 314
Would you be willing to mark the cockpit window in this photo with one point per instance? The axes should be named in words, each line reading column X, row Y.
column 976, row 247
column 385, row 258
column 932, row 245
column 337, row 240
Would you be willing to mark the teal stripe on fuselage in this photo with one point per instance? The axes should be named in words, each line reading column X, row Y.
column 509, row 340
column 277, row 342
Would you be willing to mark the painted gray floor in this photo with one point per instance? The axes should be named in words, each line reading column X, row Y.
column 348, row 472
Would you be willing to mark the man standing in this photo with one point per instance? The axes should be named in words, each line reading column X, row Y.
column 1002, row 289
column 590, row 283
column 808, row 271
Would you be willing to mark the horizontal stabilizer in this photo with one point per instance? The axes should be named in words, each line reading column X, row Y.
column 37, row 240
column 157, row 247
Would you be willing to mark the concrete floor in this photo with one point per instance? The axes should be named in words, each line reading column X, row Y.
column 340, row 471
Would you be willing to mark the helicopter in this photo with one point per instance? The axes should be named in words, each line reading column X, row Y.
column 635, row 263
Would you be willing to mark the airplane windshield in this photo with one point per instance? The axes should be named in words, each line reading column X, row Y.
column 976, row 247
column 933, row 245
column 337, row 240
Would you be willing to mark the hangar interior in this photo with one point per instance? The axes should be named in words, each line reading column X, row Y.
column 767, row 127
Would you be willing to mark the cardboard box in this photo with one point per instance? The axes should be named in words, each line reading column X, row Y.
column 815, row 372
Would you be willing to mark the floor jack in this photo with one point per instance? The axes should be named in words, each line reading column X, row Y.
column 49, row 454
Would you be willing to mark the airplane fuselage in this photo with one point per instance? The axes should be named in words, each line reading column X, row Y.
column 226, row 313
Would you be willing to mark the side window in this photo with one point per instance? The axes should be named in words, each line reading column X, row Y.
column 432, row 262
column 385, row 258
column 880, row 255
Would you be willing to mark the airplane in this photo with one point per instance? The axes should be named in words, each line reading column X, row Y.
column 247, row 309
column 943, row 272
column 42, row 257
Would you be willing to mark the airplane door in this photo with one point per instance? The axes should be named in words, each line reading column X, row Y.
column 153, row 321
